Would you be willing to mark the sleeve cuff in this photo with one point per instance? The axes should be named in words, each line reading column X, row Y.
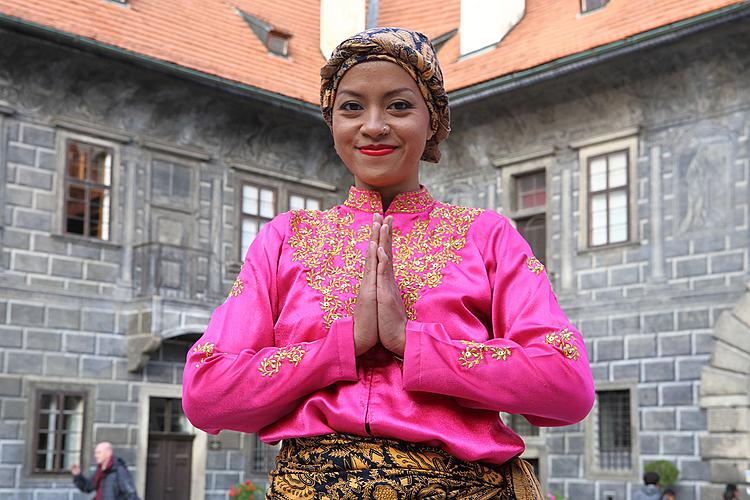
column 342, row 332
column 412, row 367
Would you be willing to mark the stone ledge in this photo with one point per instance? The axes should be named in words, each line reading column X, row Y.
column 732, row 331
column 728, row 419
column 725, row 445
column 718, row 382
column 727, row 471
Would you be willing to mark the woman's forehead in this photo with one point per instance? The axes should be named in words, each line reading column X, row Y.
column 377, row 77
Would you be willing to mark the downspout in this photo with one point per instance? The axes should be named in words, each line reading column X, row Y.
column 372, row 13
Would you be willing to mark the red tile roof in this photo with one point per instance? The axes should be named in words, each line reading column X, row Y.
column 210, row 37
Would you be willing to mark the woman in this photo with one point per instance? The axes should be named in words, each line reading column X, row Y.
column 380, row 339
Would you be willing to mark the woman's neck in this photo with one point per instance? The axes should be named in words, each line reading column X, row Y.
column 389, row 193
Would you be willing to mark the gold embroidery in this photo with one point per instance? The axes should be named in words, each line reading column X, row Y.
column 364, row 199
column 474, row 353
column 407, row 202
column 411, row 202
column 207, row 349
column 326, row 244
column 271, row 365
column 237, row 287
column 534, row 265
column 563, row 342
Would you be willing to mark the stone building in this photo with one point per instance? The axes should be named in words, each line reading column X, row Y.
column 141, row 149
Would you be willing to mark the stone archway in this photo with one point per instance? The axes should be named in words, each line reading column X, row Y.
column 725, row 394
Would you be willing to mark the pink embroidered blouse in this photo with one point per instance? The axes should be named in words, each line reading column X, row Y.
column 485, row 334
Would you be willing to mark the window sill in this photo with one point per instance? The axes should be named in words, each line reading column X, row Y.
column 613, row 246
column 72, row 238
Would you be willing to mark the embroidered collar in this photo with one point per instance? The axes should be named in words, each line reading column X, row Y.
column 408, row 202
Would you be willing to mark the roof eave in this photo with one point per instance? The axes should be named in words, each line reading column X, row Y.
column 568, row 64
column 241, row 89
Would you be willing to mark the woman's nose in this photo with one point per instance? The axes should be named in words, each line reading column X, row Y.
column 374, row 125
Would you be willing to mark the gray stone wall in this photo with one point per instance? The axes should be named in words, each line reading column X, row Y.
column 646, row 309
column 80, row 311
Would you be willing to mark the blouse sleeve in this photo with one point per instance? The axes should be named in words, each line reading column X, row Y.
column 534, row 362
column 236, row 377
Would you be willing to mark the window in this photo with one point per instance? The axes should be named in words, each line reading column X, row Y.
column 258, row 206
column 58, row 431
column 589, row 5
column 263, row 456
column 171, row 184
column 300, row 202
column 521, row 426
column 531, row 200
column 607, row 190
column 614, row 440
column 608, row 198
column 165, row 416
column 88, row 189
column 278, row 43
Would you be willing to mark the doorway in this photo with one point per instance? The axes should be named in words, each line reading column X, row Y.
column 170, row 450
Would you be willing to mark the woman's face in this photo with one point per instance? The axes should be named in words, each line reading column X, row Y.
column 380, row 126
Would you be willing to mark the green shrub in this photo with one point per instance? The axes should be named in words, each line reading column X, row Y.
column 667, row 471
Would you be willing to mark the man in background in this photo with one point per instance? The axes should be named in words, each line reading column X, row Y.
column 650, row 490
column 111, row 481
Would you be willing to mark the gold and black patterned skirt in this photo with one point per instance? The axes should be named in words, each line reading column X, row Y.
column 338, row 466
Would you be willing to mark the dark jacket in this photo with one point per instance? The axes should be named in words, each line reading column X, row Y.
column 117, row 485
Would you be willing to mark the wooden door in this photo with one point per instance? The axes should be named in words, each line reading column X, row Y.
column 170, row 452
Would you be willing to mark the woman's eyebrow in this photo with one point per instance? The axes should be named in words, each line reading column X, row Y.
column 387, row 94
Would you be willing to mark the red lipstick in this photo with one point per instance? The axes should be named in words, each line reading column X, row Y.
column 377, row 149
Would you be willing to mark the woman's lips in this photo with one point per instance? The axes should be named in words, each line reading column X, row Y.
column 377, row 151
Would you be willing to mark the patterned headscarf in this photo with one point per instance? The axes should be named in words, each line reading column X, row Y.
column 409, row 49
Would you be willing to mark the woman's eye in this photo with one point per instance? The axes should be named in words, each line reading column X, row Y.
column 401, row 105
column 351, row 106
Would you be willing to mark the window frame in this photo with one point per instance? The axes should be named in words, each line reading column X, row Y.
column 242, row 215
column 592, row 467
column 284, row 186
column 166, row 202
column 626, row 140
column 513, row 168
column 606, row 192
column 302, row 194
column 35, row 390
column 60, row 217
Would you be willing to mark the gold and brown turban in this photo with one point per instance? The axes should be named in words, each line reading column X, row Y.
column 409, row 49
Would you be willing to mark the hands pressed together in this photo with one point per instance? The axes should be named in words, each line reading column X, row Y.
column 380, row 316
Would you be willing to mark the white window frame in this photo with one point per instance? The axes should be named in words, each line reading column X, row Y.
column 592, row 469
column 602, row 145
column 284, row 185
column 33, row 387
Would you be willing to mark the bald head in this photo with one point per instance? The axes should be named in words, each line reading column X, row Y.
column 103, row 452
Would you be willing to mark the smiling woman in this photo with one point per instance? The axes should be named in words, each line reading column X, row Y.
column 380, row 339
column 380, row 127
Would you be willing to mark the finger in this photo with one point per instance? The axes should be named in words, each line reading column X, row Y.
column 388, row 247
column 383, row 236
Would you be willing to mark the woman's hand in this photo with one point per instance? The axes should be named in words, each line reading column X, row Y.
column 391, row 313
column 366, row 310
